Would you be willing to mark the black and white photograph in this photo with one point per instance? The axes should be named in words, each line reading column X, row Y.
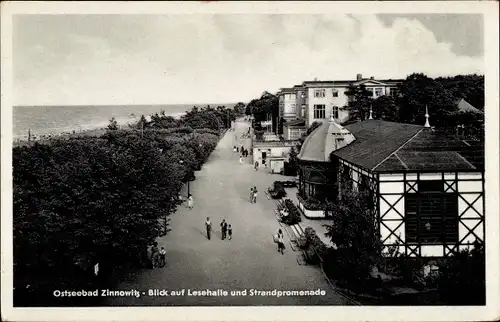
column 247, row 156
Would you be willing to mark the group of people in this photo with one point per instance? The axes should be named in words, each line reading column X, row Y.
column 190, row 201
column 225, row 228
column 253, row 194
column 158, row 256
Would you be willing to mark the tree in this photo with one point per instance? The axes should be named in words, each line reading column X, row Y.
column 384, row 108
column 264, row 107
column 418, row 92
column 468, row 87
column 353, row 232
column 113, row 124
column 239, row 109
column 464, row 273
column 359, row 103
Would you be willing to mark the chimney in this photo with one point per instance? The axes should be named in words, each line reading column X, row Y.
column 359, row 77
column 372, row 78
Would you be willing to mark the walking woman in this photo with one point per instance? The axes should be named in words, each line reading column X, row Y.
column 256, row 165
column 190, row 202
column 254, row 194
column 251, row 195
column 281, row 242
column 241, row 159
column 208, row 226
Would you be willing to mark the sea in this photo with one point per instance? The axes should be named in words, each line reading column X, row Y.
column 54, row 120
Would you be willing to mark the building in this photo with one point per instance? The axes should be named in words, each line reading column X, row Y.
column 428, row 195
column 272, row 155
column 287, row 104
column 316, row 100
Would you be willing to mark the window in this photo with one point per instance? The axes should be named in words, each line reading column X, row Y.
column 393, row 92
column 319, row 93
column 335, row 111
column 335, row 93
column 370, row 90
column 294, row 134
column 292, row 108
column 379, row 91
column 431, row 215
column 319, row 111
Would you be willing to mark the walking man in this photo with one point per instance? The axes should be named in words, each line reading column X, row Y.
column 223, row 228
column 256, row 165
column 251, row 195
column 163, row 254
column 254, row 194
column 281, row 242
column 208, row 226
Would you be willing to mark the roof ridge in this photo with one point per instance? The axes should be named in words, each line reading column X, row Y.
column 395, row 151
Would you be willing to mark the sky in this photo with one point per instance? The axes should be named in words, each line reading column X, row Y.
column 176, row 59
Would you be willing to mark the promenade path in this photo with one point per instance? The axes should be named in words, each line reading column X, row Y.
column 249, row 261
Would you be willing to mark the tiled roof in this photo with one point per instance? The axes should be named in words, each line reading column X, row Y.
column 389, row 146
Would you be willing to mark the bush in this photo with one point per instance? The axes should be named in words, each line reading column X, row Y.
column 277, row 192
column 462, row 279
column 316, row 249
column 293, row 213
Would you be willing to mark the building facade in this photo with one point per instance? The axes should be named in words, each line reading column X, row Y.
column 317, row 100
column 428, row 196
column 287, row 104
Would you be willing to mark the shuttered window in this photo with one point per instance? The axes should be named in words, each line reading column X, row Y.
column 431, row 215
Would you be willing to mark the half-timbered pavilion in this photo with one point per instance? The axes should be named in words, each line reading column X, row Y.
column 428, row 194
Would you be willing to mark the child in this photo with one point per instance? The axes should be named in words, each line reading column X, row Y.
column 190, row 202
column 229, row 231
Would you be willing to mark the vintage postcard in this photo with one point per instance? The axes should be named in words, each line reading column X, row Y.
column 250, row 161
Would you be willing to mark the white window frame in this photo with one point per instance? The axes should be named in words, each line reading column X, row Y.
column 319, row 93
column 381, row 89
column 319, row 110
column 335, row 111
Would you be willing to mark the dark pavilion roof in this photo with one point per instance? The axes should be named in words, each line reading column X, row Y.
column 392, row 147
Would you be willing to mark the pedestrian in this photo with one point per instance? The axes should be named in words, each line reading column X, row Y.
column 234, row 149
column 230, row 231
column 281, row 242
column 242, row 149
column 256, row 165
column 255, row 194
column 163, row 254
column 208, row 226
column 251, row 195
column 223, row 229
column 190, row 202
column 241, row 159
column 237, row 149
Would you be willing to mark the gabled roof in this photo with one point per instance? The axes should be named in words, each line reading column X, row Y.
column 389, row 146
column 464, row 106
column 364, row 81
